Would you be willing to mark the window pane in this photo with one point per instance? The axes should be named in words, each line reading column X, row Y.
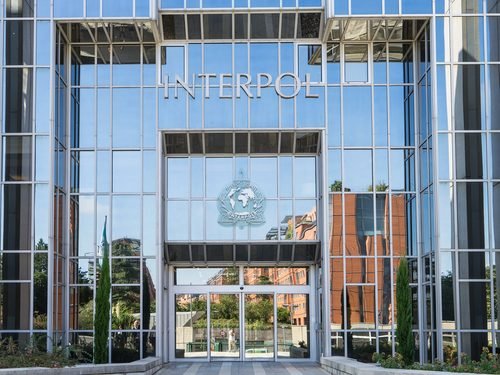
column 358, row 170
column 126, row 220
column 117, row 8
column 126, row 118
column 264, row 175
column 18, row 96
column 264, row 26
column 177, row 221
column 305, row 177
column 357, row 121
column 362, row 307
column 42, row 99
column 217, row 26
column 19, row 44
column 126, row 65
column 186, row 308
column 18, row 156
column 310, row 62
column 15, row 315
column 17, row 217
column 177, row 178
column 149, row 225
column 472, row 221
column 207, row 276
column 19, row 8
column 68, row 9
column 127, row 171
column 264, row 58
column 219, row 173
column 356, row 62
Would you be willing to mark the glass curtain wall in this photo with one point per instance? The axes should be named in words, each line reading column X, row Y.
column 25, row 190
column 113, row 174
column 426, row 192
column 468, row 188
column 265, row 110
column 372, row 188
column 194, row 184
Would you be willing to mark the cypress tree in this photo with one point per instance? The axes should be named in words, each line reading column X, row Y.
column 404, row 334
column 102, row 306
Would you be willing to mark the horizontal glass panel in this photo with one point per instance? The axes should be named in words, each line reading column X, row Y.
column 117, row 8
column 264, row 26
column 68, row 9
column 217, row 26
column 207, row 276
column 308, row 24
column 275, row 276
column 173, row 27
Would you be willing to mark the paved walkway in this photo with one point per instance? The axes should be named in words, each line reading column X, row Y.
column 242, row 368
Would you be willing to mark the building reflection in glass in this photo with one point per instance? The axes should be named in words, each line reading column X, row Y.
column 368, row 271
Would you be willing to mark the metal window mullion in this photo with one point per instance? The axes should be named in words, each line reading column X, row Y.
column 209, row 325
column 342, row 167
column 420, row 267
column 436, row 183
column 456, row 296
column 51, row 239
column 325, row 253
column 141, row 225
column 111, row 205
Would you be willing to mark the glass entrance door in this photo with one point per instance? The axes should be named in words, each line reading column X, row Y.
column 243, row 314
column 225, row 326
column 259, row 326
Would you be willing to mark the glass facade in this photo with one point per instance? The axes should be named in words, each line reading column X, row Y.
column 263, row 167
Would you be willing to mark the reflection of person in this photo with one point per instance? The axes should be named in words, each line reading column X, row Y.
column 231, row 341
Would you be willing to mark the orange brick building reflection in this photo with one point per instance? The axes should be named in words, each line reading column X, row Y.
column 365, row 238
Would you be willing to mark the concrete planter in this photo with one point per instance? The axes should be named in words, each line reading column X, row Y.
column 344, row 366
column 147, row 366
column 297, row 352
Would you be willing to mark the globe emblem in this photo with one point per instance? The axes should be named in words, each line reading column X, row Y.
column 241, row 203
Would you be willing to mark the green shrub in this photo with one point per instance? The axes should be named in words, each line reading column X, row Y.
column 404, row 317
column 102, row 306
column 13, row 355
column 488, row 363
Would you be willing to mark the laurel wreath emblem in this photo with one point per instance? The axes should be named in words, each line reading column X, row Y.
column 254, row 212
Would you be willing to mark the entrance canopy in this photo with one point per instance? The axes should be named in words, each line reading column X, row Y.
column 303, row 253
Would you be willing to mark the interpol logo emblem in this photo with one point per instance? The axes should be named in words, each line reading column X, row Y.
column 241, row 203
